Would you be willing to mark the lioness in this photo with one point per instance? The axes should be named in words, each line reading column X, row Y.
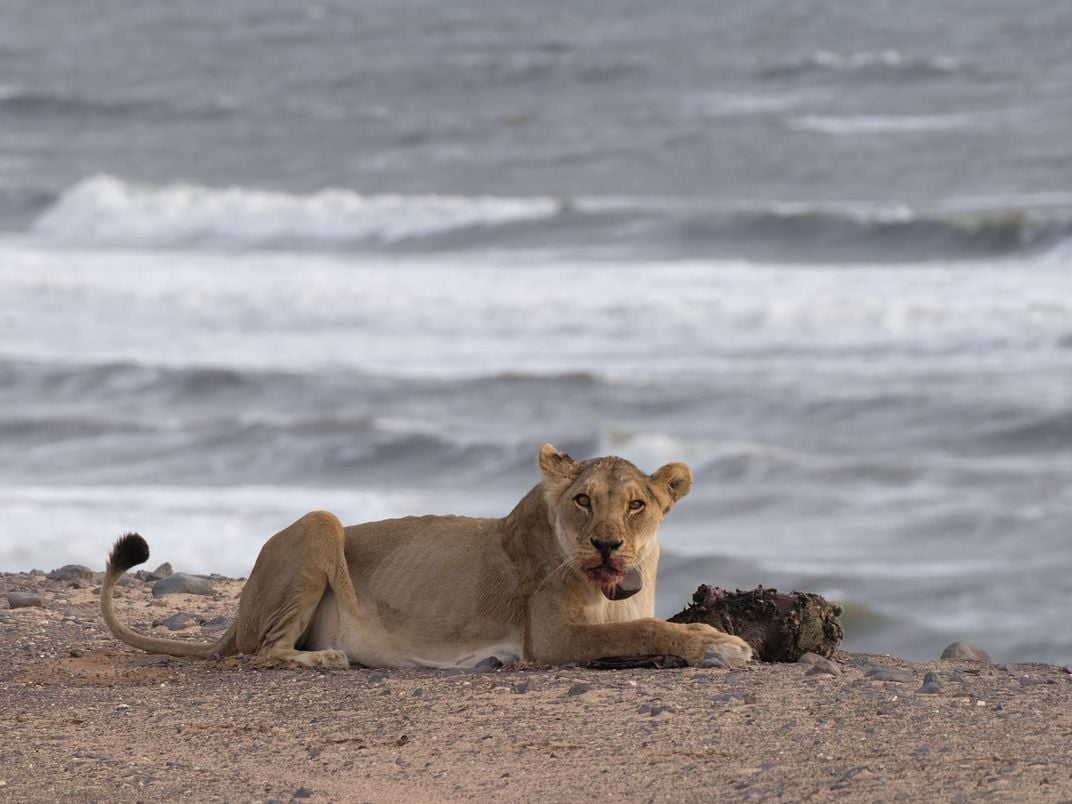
column 567, row 576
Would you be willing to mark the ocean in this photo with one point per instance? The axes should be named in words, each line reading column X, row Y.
column 258, row 258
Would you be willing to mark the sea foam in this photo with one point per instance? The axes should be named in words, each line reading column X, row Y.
column 107, row 210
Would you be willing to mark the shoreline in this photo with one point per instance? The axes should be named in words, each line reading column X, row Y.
column 87, row 718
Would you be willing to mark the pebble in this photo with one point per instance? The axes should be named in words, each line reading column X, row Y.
column 377, row 677
column 888, row 674
column 177, row 622
column 521, row 687
column 21, row 600
column 220, row 623
column 578, row 689
column 302, row 792
column 819, row 665
column 965, row 650
column 932, row 685
column 71, row 572
column 488, row 665
column 652, row 710
column 180, row 582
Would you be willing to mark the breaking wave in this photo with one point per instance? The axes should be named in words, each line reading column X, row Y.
column 106, row 211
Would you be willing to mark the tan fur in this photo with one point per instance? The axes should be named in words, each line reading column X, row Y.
column 444, row 591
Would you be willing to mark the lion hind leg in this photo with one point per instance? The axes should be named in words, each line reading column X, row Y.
column 288, row 581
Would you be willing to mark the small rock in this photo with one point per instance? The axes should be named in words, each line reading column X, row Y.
column 521, row 687
column 578, row 689
column 163, row 571
column 180, row 582
column 488, row 665
column 965, row 651
column 177, row 622
column 1031, row 681
column 888, row 674
column 302, row 792
column 71, row 572
column 76, row 653
column 220, row 623
column 419, row 692
column 652, row 710
column 21, row 600
column 932, row 685
column 819, row 665
column 377, row 677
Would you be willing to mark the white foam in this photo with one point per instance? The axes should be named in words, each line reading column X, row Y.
column 888, row 123
column 196, row 529
column 106, row 210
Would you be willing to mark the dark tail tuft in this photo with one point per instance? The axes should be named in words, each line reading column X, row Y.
column 129, row 551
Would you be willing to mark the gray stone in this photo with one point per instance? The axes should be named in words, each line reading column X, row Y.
column 578, row 689
column 488, row 665
column 965, row 651
column 180, row 582
column 377, row 677
column 820, row 666
column 177, row 622
column 888, row 674
column 21, row 600
column 220, row 623
column 932, row 685
column 71, row 572
column 652, row 710
column 163, row 571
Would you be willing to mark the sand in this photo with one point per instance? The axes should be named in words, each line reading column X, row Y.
column 84, row 717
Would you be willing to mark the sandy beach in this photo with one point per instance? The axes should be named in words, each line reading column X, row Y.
column 87, row 718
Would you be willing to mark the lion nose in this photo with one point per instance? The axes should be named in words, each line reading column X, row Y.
column 606, row 546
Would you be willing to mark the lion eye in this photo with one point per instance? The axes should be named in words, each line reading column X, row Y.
column 583, row 500
column 636, row 505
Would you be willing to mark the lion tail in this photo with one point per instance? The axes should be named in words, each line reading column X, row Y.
column 129, row 551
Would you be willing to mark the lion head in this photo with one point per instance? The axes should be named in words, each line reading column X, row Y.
column 606, row 514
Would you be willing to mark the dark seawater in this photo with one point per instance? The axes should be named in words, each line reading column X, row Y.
column 258, row 258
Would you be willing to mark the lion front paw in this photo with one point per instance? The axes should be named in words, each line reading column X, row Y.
column 727, row 655
column 714, row 648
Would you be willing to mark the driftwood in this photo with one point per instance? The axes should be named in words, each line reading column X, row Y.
column 779, row 627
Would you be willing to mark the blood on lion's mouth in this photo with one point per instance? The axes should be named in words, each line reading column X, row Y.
column 604, row 575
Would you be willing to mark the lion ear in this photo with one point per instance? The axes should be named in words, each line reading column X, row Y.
column 675, row 479
column 554, row 464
